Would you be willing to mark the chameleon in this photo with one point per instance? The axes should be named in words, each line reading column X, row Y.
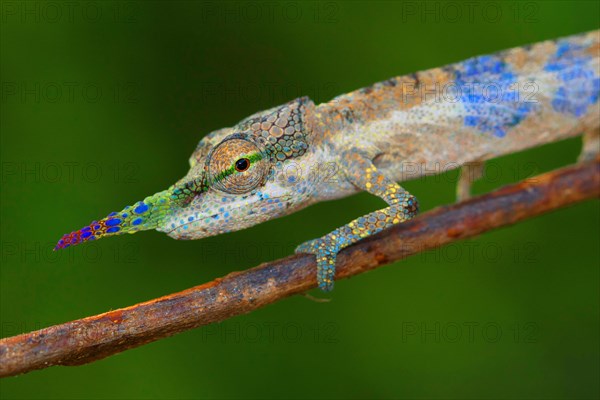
column 281, row 160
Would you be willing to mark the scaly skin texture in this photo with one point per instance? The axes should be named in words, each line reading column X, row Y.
column 278, row 161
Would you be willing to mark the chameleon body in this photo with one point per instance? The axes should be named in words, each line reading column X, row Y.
column 278, row 161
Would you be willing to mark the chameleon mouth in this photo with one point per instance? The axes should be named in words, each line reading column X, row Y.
column 195, row 225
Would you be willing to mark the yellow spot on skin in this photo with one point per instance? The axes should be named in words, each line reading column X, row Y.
column 395, row 221
column 368, row 185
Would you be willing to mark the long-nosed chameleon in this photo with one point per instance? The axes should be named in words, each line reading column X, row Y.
column 461, row 114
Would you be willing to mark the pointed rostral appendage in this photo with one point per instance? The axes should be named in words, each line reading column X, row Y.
column 143, row 215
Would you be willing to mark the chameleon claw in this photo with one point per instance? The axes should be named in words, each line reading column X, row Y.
column 326, row 252
column 315, row 299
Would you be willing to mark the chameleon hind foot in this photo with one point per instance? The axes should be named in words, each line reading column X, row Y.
column 591, row 145
column 469, row 173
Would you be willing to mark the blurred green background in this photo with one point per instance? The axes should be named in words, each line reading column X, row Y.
column 103, row 103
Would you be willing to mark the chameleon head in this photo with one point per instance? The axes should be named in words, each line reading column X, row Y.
column 239, row 177
column 245, row 175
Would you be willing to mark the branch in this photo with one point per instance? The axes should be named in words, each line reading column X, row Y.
column 93, row 338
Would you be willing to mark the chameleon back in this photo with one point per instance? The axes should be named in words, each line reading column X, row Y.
column 486, row 106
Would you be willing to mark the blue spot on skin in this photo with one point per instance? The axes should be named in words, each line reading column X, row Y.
column 113, row 229
column 489, row 94
column 113, row 222
column 112, row 214
column 581, row 84
column 96, row 227
column 471, row 120
column 142, row 208
column 136, row 221
column 190, row 219
column 86, row 234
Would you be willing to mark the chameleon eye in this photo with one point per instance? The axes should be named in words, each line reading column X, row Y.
column 242, row 164
column 237, row 166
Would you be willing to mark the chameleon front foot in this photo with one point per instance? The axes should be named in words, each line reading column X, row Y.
column 326, row 251
column 402, row 207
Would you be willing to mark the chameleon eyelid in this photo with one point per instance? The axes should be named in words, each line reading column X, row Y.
column 220, row 180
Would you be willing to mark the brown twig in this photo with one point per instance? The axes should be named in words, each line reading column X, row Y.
column 89, row 339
